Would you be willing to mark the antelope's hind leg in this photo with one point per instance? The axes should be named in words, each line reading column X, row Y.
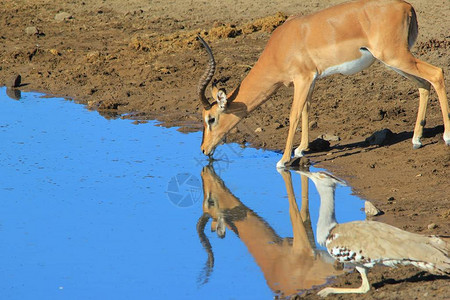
column 424, row 93
column 423, row 74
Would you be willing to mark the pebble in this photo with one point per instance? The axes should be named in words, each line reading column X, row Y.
column 277, row 125
column 63, row 16
column 313, row 124
column 54, row 52
column 371, row 210
column 432, row 226
column 92, row 56
column 380, row 137
column 259, row 129
column 330, row 137
column 31, row 30
column 377, row 115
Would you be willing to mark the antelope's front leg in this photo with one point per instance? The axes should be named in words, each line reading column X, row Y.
column 299, row 151
column 302, row 87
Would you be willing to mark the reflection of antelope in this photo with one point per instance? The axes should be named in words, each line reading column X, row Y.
column 343, row 39
column 288, row 264
column 366, row 243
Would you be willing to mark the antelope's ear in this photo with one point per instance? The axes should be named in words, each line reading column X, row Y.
column 221, row 98
column 221, row 227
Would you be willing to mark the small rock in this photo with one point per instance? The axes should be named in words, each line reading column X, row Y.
column 63, row 16
column 31, row 30
column 15, row 81
column 380, row 137
column 165, row 71
column 329, row 137
column 313, row 124
column 277, row 125
column 371, row 210
column 377, row 115
column 319, row 144
column 92, row 56
column 54, row 52
column 259, row 129
column 432, row 226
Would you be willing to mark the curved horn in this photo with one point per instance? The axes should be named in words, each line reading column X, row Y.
column 204, row 276
column 207, row 76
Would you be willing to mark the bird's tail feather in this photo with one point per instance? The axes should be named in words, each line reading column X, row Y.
column 442, row 267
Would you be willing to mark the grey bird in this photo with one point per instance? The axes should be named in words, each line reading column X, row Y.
column 367, row 243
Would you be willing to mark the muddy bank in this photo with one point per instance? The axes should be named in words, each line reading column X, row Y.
column 141, row 60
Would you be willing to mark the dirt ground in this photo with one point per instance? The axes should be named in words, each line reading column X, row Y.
column 140, row 60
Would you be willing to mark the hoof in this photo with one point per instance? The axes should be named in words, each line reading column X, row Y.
column 281, row 165
column 417, row 146
column 299, row 152
column 447, row 138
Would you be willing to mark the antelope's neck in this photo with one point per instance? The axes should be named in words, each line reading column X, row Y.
column 260, row 83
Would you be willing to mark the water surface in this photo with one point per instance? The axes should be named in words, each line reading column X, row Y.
column 105, row 209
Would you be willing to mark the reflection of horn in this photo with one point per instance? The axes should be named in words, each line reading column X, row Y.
column 207, row 76
column 205, row 274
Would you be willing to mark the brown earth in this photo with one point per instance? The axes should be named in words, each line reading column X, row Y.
column 140, row 60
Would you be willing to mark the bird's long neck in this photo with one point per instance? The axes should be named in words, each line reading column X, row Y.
column 327, row 218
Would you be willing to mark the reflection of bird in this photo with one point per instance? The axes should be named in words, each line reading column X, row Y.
column 366, row 243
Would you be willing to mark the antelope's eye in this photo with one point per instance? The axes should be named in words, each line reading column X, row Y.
column 211, row 120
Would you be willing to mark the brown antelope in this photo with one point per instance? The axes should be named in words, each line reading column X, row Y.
column 288, row 264
column 367, row 243
column 344, row 39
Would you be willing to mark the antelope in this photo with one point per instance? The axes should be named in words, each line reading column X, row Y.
column 343, row 39
column 367, row 243
column 288, row 264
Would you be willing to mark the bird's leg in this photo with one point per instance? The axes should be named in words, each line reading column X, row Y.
column 364, row 288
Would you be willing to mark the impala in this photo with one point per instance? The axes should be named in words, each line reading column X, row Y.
column 288, row 264
column 344, row 39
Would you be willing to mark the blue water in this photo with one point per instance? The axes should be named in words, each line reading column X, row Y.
column 92, row 208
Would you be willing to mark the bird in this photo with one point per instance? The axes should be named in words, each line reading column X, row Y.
column 365, row 244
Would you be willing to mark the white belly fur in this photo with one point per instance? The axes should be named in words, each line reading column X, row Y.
column 351, row 67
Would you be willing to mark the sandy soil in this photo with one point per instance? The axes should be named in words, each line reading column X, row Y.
column 140, row 60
